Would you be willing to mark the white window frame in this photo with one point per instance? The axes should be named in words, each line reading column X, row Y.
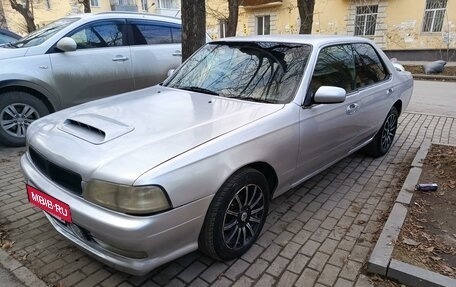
column 168, row 4
column 365, row 22
column 432, row 28
column 145, row 5
column 94, row 3
column 263, row 17
column 222, row 28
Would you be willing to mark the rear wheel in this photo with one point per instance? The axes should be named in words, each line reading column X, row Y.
column 17, row 111
column 383, row 140
column 236, row 215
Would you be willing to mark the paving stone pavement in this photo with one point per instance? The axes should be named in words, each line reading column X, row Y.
column 317, row 235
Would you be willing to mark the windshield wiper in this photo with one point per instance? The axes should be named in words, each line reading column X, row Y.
column 9, row 45
column 199, row 90
column 254, row 99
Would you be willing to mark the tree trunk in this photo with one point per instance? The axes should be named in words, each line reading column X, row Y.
column 193, row 26
column 86, row 4
column 306, row 10
column 2, row 17
column 26, row 11
column 233, row 12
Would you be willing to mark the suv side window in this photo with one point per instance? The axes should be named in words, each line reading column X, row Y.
column 335, row 67
column 369, row 67
column 99, row 35
column 148, row 33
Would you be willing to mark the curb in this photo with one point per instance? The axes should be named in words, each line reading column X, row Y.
column 21, row 272
column 380, row 261
column 434, row 77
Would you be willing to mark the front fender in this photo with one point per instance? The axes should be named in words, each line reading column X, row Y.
column 35, row 84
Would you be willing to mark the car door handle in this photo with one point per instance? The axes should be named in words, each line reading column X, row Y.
column 120, row 58
column 177, row 53
column 352, row 108
column 389, row 91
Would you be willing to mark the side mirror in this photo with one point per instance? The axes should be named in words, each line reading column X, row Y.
column 398, row 67
column 66, row 44
column 170, row 72
column 329, row 95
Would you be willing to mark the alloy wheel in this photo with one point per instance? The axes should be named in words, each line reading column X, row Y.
column 389, row 130
column 16, row 117
column 242, row 220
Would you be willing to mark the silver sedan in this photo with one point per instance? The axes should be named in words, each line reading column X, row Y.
column 142, row 178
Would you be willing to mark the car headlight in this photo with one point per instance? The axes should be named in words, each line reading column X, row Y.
column 128, row 199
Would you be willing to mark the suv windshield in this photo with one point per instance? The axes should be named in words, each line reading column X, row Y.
column 256, row 71
column 39, row 36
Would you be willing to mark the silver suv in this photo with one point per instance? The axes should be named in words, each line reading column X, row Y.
column 82, row 58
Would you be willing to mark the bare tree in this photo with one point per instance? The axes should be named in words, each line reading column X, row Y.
column 26, row 10
column 86, row 4
column 232, row 21
column 2, row 17
column 306, row 11
column 230, row 17
column 193, row 26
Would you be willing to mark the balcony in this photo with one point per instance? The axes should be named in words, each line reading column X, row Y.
column 124, row 5
column 254, row 4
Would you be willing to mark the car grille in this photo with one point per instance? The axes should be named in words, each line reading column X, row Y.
column 61, row 176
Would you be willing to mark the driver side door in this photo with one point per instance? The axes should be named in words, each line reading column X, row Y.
column 328, row 131
column 100, row 66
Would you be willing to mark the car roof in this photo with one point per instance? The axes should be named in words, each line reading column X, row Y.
column 314, row 40
column 116, row 14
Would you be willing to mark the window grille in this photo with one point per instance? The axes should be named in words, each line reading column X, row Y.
column 434, row 15
column 366, row 20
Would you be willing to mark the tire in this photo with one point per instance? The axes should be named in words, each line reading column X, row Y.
column 233, row 222
column 383, row 140
column 17, row 111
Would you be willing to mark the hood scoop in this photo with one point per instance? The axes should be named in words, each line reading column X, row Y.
column 94, row 128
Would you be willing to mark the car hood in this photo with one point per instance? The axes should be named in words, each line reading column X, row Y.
column 119, row 138
column 8, row 53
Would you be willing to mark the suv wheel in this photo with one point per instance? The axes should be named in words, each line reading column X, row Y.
column 17, row 111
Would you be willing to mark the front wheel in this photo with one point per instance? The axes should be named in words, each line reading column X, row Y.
column 236, row 215
column 17, row 111
column 383, row 140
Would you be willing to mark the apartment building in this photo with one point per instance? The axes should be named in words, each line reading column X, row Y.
column 395, row 25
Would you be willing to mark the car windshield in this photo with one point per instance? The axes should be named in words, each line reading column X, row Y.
column 255, row 71
column 39, row 36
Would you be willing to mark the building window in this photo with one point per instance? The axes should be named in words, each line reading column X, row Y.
column 222, row 28
column 48, row 4
column 94, row 3
column 434, row 15
column 365, row 21
column 263, row 25
column 144, row 5
column 168, row 4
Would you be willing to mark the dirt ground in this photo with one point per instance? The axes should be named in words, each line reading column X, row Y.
column 428, row 237
column 415, row 69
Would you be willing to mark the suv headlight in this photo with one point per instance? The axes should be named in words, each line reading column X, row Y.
column 128, row 199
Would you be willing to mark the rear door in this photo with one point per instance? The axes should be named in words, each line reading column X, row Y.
column 155, row 49
column 100, row 66
column 374, row 86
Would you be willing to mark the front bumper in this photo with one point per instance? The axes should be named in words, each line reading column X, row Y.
column 151, row 240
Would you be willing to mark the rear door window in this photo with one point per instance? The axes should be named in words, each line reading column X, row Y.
column 369, row 67
column 154, row 32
